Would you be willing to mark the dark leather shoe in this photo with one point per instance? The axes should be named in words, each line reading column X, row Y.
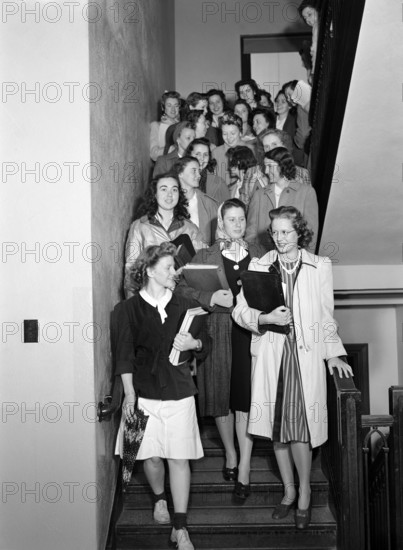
column 281, row 510
column 230, row 474
column 303, row 517
column 242, row 491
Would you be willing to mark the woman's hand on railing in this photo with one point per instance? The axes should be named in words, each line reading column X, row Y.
column 343, row 368
column 129, row 405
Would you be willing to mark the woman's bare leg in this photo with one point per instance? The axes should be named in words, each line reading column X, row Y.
column 155, row 473
column 286, row 466
column 302, row 455
column 179, row 480
column 245, row 442
column 225, row 426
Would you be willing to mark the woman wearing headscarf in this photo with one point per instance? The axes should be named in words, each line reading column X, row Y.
column 224, row 378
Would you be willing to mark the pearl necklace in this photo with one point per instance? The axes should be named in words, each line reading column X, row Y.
column 291, row 271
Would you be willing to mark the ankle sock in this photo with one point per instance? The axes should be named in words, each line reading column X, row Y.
column 161, row 496
column 180, row 521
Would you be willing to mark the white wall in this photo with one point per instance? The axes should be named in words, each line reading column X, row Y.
column 364, row 215
column 208, row 39
column 272, row 70
column 50, row 452
column 375, row 326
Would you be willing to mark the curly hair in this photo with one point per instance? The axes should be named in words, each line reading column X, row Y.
column 181, row 164
column 150, row 206
column 268, row 115
column 193, row 116
column 194, row 97
column 285, row 161
column 211, row 165
column 252, row 84
column 267, row 95
column 148, row 258
column 282, row 135
column 229, row 118
column 242, row 157
column 282, row 92
column 220, row 93
column 297, row 220
column 315, row 4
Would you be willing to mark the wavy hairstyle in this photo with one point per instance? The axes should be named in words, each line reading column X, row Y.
column 241, row 157
column 148, row 258
column 315, row 4
column 268, row 115
column 194, row 97
column 150, row 206
column 283, row 136
column 284, row 159
column 229, row 118
column 211, row 165
column 267, row 95
column 252, row 84
column 298, row 223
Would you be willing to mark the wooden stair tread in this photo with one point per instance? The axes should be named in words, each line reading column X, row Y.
column 214, row 478
column 242, row 517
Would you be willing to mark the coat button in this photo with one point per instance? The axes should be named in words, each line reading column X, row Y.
column 301, row 347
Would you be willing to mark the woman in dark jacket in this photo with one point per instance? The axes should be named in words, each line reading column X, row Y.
column 224, row 377
column 147, row 326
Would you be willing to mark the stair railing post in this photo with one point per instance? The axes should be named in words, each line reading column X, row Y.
column 396, row 465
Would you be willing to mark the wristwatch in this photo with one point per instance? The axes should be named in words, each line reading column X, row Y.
column 199, row 345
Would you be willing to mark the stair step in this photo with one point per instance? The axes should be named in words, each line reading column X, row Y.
column 233, row 527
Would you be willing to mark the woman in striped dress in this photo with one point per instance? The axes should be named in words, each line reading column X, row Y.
column 288, row 371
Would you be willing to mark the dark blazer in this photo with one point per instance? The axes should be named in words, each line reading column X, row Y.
column 165, row 163
column 290, row 125
column 144, row 344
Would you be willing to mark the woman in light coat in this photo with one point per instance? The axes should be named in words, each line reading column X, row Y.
column 288, row 372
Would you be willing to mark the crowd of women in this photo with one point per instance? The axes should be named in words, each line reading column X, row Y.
column 233, row 182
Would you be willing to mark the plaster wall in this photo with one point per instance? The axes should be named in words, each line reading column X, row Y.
column 131, row 56
column 208, row 40
column 375, row 326
column 47, row 456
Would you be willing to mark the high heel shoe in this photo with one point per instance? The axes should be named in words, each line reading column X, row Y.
column 282, row 510
column 230, row 474
column 242, row 491
column 303, row 517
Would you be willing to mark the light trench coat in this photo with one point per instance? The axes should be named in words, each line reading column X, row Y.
column 317, row 340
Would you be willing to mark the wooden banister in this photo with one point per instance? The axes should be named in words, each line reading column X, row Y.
column 343, row 454
column 396, row 456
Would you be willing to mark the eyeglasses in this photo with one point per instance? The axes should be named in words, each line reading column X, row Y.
column 280, row 233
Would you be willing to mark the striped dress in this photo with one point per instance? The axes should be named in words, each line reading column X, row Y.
column 290, row 423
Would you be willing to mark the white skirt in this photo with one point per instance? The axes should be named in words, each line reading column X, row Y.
column 171, row 432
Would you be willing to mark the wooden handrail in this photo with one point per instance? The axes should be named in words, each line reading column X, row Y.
column 343, row 457
column 396, row 455
column 376, row 420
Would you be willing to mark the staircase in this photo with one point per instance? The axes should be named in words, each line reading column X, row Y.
column 215, row 520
